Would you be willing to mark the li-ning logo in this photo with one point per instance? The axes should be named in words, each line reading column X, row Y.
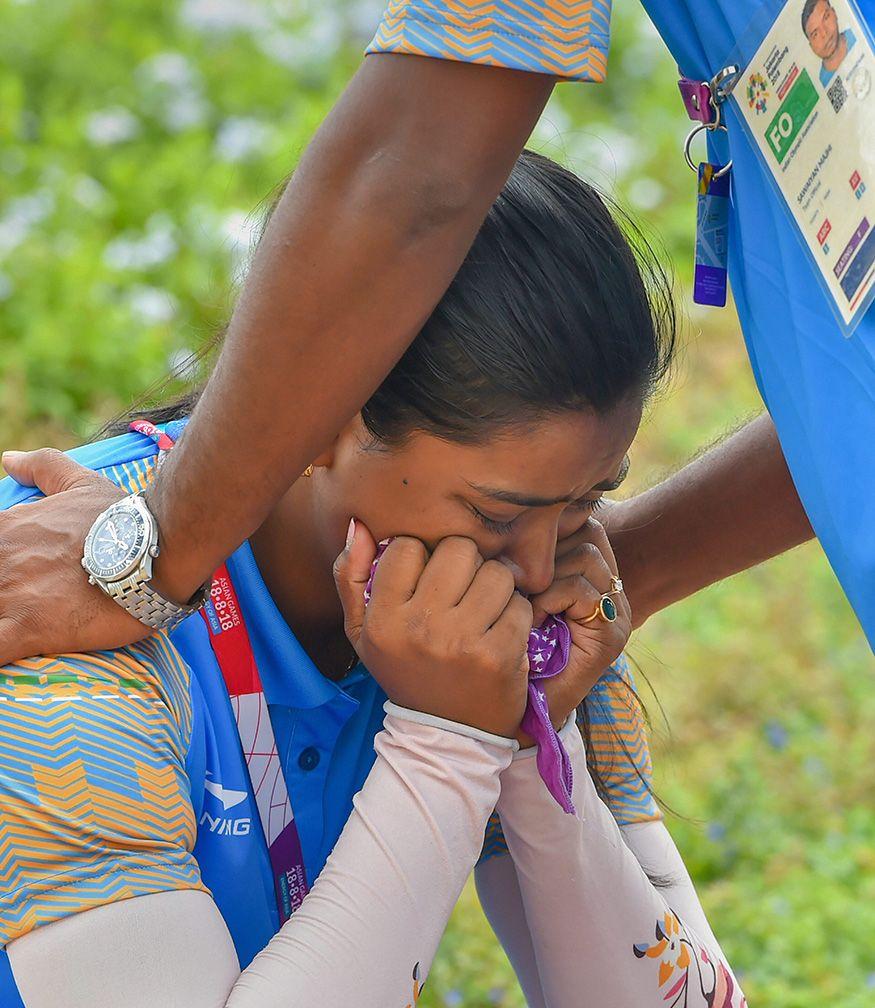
column 757, row 93
column 226, row 796
column 229, row 799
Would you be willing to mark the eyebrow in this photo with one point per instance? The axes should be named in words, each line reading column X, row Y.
column 523, row 500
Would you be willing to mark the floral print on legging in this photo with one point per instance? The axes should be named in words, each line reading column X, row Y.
column 682, row 961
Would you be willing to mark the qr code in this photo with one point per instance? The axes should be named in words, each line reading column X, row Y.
column 837, row 94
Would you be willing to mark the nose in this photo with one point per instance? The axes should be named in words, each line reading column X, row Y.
column 533, row 561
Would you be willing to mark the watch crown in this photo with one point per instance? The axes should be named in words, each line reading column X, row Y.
column 154, row 551
column 91, row 579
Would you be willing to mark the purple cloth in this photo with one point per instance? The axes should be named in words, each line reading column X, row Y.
column 549, row 648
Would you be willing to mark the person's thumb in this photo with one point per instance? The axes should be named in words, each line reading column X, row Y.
column 352, row 569
column 47, row 469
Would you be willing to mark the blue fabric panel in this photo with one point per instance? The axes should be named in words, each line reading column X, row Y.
column 818, row 385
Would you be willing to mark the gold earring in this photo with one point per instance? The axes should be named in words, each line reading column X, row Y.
column 308, row 471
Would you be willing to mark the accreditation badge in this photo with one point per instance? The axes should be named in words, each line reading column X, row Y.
column 808, row 99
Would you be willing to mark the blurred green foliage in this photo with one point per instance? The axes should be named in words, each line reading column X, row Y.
column 138, row 142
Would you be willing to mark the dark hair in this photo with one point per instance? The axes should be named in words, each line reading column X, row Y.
column 550, row 311
column 554, row 308
column 807, row 11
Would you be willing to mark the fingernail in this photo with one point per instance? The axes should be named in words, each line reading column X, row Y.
column 350, row 533
column 11, row 456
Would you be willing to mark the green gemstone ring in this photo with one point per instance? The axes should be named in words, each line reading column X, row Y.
column 606, row 610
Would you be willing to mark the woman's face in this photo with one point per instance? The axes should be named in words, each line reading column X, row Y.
column 515, row 496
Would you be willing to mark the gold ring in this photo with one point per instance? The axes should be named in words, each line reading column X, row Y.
column 606, row 611
column 616, row 585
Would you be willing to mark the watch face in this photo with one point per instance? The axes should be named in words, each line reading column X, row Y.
column 116, row 544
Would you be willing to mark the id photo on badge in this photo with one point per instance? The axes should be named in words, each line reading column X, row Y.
column 828, row 41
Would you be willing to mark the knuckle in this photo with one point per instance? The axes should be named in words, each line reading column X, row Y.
column 461, row 547
column 419, row 625
column 523, row 606
column 589, row 552
column 500, row 574
column 408, row 548
column 47, row 456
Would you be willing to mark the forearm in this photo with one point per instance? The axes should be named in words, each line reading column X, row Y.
column 590, row 908
column 728, row 510
column 367, row 236
column 382, row 902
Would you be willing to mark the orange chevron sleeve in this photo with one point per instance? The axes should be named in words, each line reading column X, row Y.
column 95, row 803
column 565, row 38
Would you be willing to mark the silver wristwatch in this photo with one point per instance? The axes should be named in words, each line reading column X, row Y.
column 118, row 556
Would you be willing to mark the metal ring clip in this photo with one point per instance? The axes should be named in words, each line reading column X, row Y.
column 720, row 87
column 688, row 143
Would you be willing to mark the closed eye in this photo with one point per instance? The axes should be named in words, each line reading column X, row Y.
column 496, row 527
column 589, row 505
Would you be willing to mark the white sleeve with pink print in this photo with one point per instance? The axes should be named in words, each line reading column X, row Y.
column 598, row 931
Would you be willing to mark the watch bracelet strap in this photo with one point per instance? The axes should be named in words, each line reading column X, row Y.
column 150, row 607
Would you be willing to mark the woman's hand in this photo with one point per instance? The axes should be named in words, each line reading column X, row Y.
column 585, row 565
column 445, row 634
column 47, row 605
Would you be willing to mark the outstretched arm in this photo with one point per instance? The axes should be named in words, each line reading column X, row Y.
column 729, row 510
column 367, row 236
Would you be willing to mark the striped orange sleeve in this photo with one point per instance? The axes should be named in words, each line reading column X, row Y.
column 565, row 38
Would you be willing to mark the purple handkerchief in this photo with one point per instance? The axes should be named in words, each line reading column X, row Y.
column 549, row 647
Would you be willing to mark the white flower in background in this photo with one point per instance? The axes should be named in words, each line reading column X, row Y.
column 172, row 69
column 88, row 192
column 314, row 41
column 173, row 91
column 152, row 305
column 139, row 252
column 185, row 111
column 552, row 124
column 284, row 47
column 225, row 15
column 363, row 17
column 646, row 193
column 240, row 232
column 240, row 138
column 111, row 126
column 609, row 154
column 21, row 216
column 183, row 364
column 6, row 286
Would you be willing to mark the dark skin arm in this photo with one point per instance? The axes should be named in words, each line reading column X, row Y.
column 366, row 238
column 689, row 531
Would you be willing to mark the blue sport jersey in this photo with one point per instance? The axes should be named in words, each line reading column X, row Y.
column 818, row 385
column 122, row 772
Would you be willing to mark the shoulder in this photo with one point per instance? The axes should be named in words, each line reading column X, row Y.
column 129, row 461
column 92, row 775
